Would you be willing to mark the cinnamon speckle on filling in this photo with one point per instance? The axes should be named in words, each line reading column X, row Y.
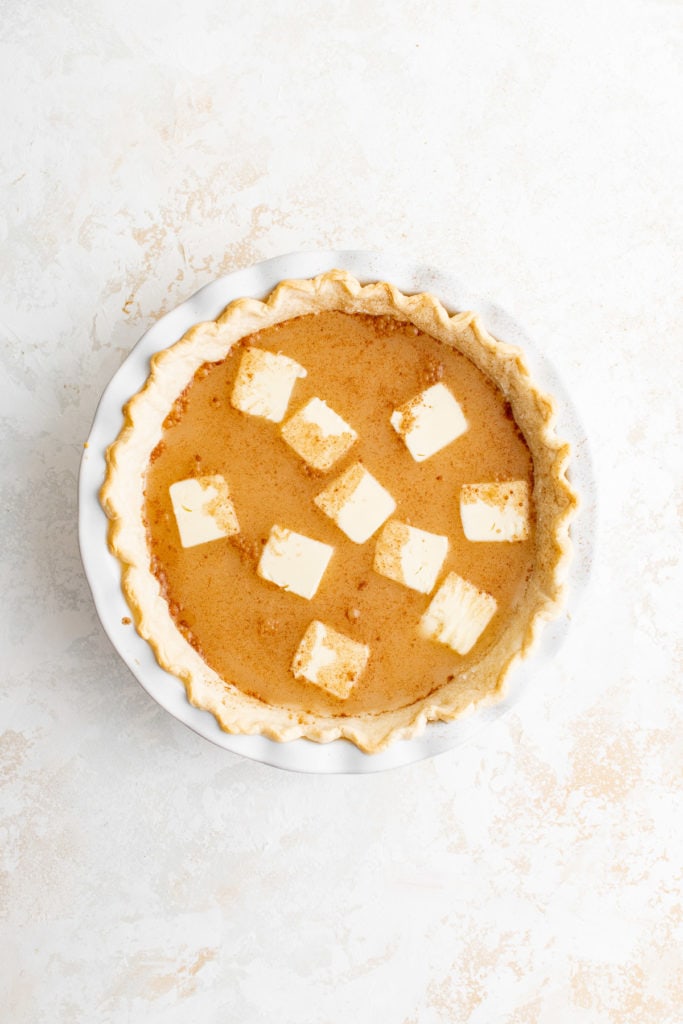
column 249, row 550
column 177, row 410
column 310, row 471
column 433, row 370
column 247, row 631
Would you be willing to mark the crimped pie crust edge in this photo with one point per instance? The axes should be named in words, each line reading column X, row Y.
column 122, row 497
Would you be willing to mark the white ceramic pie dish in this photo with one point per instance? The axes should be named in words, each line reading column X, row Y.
column 103, row 570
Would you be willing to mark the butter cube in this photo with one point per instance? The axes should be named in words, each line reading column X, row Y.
column 330, row 660
column 264, row 383
column 429, row 422
column 458, row 614
column 318, row 434
column 495, row 511
column 203, row 510
column 357, row 503
column 294, row 562
column 410, row 556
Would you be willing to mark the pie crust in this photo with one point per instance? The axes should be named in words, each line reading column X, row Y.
column 554, row 499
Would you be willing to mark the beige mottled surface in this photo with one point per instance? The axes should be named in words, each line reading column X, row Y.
column 532, row 877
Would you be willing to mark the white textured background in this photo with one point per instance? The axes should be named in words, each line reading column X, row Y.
column 532, row 148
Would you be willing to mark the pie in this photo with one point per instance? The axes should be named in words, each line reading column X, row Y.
column 340, row 512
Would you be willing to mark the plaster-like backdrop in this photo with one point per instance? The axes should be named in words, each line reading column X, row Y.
column 532, row 877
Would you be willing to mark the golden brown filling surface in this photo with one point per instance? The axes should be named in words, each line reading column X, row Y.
column 247, row 629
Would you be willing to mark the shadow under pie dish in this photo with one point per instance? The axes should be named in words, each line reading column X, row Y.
column 340, row 512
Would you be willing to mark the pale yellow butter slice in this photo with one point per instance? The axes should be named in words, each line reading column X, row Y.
column 330, row 660
column 294, row 562
column 357, row 503
column 429, row 421
column 203, row 510
column 319, row 435
column 264, row 383
column 495, row 511
column 410, row 556
column 458, row 614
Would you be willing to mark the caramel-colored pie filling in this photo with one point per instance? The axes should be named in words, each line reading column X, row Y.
column 247, row 629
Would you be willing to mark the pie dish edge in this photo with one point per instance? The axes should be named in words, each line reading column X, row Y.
column 171, row 369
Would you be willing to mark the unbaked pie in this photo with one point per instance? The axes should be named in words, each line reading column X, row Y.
column 340, row 512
